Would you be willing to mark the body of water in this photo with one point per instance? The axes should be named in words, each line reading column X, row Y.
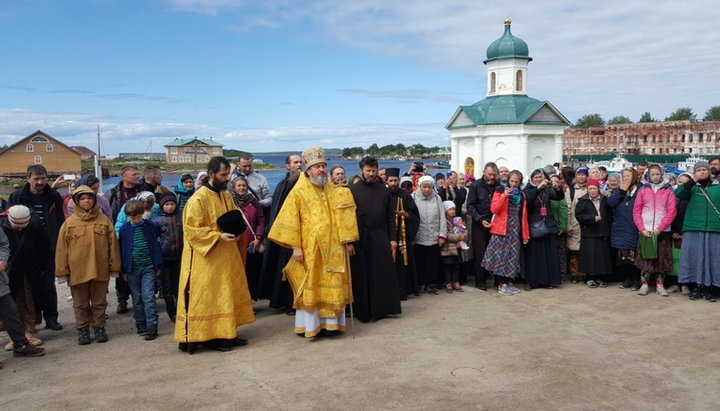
column 351, row 168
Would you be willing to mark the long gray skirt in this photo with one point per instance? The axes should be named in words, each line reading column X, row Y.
column 700, row 258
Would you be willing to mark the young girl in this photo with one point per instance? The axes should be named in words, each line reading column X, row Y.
column 449, row 251
column 593, row 214
column 459, row 227
column 508, row 228
column 87, row 255
column 655, row 209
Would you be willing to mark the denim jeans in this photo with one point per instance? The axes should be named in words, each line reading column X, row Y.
column 142, row 290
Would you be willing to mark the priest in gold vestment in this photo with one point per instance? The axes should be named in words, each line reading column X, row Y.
column 317, row 221
column 213, row 298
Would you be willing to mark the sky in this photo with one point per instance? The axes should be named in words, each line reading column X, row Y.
column 280, row 75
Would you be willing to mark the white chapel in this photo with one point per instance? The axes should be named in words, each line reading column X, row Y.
column 507, row 126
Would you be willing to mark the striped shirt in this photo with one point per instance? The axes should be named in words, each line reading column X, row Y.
column 140, row 251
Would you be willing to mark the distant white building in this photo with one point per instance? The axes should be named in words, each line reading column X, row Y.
column 507, row 127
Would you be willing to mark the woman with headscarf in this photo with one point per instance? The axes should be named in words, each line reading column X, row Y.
column 623, row 233
column 252, row 210
column 700, row 253
column 593, row 215
column 654, row 211
column 541, row 252
column 184, row 189
column 431, row 234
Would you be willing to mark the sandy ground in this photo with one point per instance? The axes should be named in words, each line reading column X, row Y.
column 569, row 348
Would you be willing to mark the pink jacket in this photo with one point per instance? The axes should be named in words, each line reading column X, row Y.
column 654, row 210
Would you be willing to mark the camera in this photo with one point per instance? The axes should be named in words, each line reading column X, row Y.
column 418, row 166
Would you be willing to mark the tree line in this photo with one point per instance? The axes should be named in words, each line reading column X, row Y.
column 390, row 150
column 682, row 113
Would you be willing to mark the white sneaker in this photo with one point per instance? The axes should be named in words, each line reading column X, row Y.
column 643, row 290
column 685, row 290
column 504, row 290
column 672, row 289
column 662, row 291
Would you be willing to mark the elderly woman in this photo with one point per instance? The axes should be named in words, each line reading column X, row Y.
column 593, row 214
column 541, row 253
column 431, row 234
column 252, row 210
column 700, row 252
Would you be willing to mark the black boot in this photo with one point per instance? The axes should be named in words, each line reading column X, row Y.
column 151, row 334
column 100, row 334
column 84, row 336
column 122, row 307
column 53, row 324
column 25, row 349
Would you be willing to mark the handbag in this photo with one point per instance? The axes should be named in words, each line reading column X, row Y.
column 540, row 229
column 648, row 246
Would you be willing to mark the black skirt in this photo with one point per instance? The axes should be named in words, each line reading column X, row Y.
column 595, row 258
column 542, row 261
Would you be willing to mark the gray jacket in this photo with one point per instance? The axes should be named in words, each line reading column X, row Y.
column 4, row 255
column 432, row 219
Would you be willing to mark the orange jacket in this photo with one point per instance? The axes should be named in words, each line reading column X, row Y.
column 499, row 208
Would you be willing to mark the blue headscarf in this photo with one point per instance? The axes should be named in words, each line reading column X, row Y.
column 179, row 188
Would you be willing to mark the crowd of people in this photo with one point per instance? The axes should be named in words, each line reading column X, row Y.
column 322, row 246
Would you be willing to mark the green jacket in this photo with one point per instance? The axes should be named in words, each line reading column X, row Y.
column 700, row 214
column 560, row 211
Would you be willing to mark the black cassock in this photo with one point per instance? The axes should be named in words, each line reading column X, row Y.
column 407, row 276
column 271, row 286
column 374, row 281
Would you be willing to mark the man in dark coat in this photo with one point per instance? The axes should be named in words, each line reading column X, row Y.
column 126, row 189
column 375, row 289
column 478, row 207
column 407, row 277
column 271, row 285
column 29, row 251
column 47, row 212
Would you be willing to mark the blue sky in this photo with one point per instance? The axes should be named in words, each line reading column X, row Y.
column 282, row 75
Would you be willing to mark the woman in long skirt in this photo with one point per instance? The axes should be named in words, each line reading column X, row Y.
column 509, row 230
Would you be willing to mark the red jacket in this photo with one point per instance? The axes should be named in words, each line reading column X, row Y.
column 499, row 207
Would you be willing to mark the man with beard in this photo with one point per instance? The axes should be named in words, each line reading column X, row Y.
column 214, row 298
column 47, row 213
column 376, row 293
column 478, row 207
column 272, row 285
column 407, row 277
column 126, row 189
column 715, row 168
column 317, row 221
column 257, row 183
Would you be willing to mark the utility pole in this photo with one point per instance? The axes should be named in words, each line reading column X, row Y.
column 98, row 167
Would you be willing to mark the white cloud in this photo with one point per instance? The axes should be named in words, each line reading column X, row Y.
column 612, row 57
column 134, row 134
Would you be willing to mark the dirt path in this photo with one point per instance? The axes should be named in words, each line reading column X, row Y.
column 570, row 348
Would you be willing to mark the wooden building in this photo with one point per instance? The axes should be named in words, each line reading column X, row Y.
column 41, row 149
column 192, row 150
column 85, row 153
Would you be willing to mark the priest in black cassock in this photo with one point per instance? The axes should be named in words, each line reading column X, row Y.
column 374, row 281
column 407, row 277
column 271, row 285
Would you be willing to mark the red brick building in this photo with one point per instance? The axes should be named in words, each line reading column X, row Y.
column 661, row 138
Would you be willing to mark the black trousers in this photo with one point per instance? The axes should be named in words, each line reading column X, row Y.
column 9, row 317
column 49, row 292
column 480, row 240
column 122, row 289
column 427, row 263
